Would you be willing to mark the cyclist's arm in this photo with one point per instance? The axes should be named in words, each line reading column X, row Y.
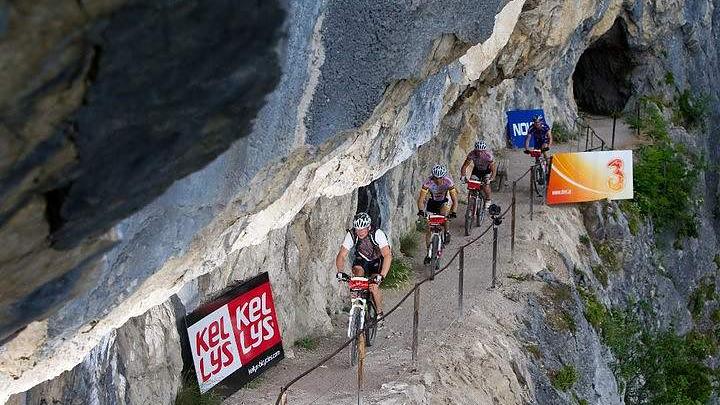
column 464, row 167
column 387, row 259
column 421, row 199
column 340, row 259
column 527, row 141
column 493, row 169
column 454, row 197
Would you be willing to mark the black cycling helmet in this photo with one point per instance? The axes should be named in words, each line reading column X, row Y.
column 537, row 118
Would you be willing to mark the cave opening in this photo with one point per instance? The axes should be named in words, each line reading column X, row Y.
column 601, row 81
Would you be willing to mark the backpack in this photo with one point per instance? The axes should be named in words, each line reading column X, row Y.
column 371, row 235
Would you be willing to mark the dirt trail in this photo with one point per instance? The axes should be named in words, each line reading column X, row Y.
column 390, row 358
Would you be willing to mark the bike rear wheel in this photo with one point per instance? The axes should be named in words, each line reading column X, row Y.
column 354, row 328
column 469, row 215
column 370, row 323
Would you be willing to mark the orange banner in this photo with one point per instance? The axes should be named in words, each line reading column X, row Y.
column 591, row 176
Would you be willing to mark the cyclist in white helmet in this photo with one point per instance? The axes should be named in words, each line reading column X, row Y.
column 484, row 168
column 372, row 255
column 438, row 185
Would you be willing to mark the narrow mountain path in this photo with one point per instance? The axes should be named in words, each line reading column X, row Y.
column 389, row 359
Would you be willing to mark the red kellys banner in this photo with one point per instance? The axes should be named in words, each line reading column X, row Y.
column 590, row 176
column 236, row 334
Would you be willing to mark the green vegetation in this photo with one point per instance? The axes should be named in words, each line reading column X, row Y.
column 409, row 243
column 669, row 78
column 595, row 311
column 607, row 254
column 717, row 261
column 705, row 292
column 520, row 276
column 535, row 351
column 633, row 215
column 399, row 274
column 564, row 378
column 691, row 111
column 559, row 318
column 561, row 133
column 189, row 393
column 654, row 368
column 307, row 343
column 665, row 177
column 600, row 274
column 585, row 240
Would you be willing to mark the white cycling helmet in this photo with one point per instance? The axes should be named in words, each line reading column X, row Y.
column 361, row 220
column 480, row 145
column 439, row 171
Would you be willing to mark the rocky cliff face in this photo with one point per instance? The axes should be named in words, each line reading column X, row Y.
column 153, row 154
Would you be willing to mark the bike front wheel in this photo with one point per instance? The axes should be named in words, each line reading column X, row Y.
column 480, row 211
column 370, row 323
column 469, row 215
column 354, row 328
column 435, row 260
column 540, row 181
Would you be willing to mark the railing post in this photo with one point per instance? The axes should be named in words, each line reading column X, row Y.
column 416, row 319
column 512, row 222
column 587, row 136
column 361, row 362
column 532, row 191
column 612, row 142
column 638, row 118
column 461, row 276
column 494, row 259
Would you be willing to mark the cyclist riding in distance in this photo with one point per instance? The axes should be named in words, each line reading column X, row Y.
column 541, row 133
column 438, row 185
column 483, row 166
column 372, row 255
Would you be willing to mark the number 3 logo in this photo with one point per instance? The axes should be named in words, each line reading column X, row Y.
column 616, row 180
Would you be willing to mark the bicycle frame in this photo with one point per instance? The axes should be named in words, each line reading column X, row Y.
column 436, row 222
column 359, row 295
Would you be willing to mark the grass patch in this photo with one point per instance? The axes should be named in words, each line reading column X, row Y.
column 717, row 261
column 595, row 311
column 307, row 343
column 409, row 243
column 669, row 78
column 564, row 378
column 606, row 251
column 585, row 240
column 399, row 274
column 561, row 133
column 600, row 274
column 189, row 393
column 535, row 351
column 715, row 316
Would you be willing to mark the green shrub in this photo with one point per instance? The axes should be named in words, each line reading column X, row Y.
column 705, row 292
column 409, row 243
column 585, row 240
column 600, row 274
column 535, row 351
column 399, row 274
column 189, row 393
column 717, row 261
column 607, row 254
column 691, row 111
column 665, row 178
column 307, row 343
column 564, row 378
column 561, row 133
column 669, row 78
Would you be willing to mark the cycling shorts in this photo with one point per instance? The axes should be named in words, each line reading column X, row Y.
column 435, row 207
column 370, row 267
column 480, row 174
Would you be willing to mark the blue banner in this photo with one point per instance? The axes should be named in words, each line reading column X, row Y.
column 518, row 123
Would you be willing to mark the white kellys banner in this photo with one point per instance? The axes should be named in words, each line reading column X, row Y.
column 235, row 335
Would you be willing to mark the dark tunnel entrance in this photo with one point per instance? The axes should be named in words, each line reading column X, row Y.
column 601, row 81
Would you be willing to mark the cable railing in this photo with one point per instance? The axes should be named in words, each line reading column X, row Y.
column 591, row 137
column 415, row 291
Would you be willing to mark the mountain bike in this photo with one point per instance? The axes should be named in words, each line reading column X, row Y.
column 437, row 237
column 540, row 170
column 475, row 211
column 363, row 315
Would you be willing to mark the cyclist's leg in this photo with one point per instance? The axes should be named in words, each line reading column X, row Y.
column 445, row 210
column 373, row 268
